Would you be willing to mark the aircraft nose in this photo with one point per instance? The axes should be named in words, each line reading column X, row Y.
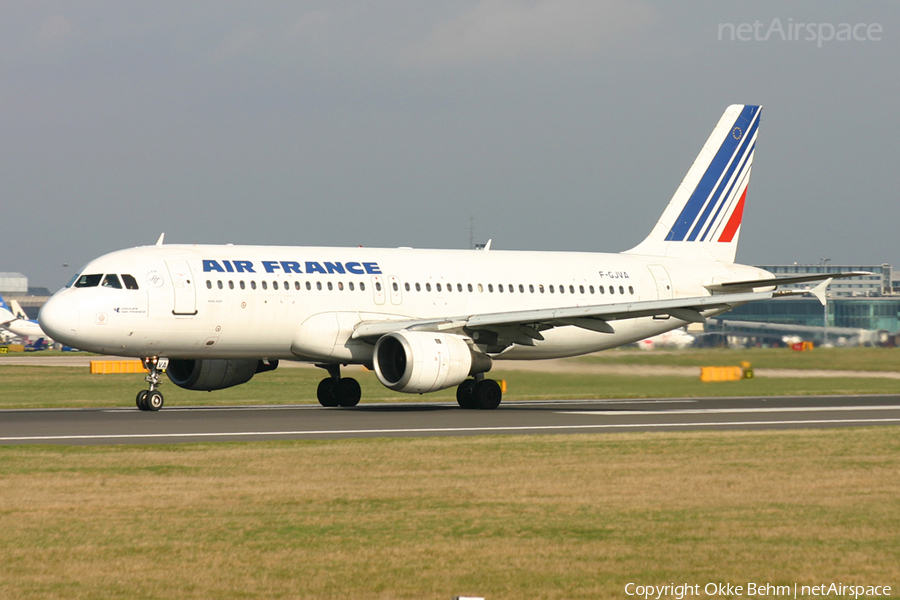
column 59, row 318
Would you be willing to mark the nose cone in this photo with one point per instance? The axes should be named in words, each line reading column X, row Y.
column 59, row 319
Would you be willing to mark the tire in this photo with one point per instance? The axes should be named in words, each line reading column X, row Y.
column 487, row 394
column 325, row 393
column 347, row 392
column 141, row 399
column 154, row 401
column 464, row 394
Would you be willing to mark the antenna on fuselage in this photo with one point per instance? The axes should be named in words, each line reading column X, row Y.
column 159, row 242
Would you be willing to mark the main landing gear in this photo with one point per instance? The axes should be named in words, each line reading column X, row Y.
column 479, row 393
column 336, row 390
column 152, row 399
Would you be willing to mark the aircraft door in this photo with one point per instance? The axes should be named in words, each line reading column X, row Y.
column 396, row 294
column 378, row 288
column 183, row 286
column 663, row 285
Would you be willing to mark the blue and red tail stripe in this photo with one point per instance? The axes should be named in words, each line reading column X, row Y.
column 723, row 184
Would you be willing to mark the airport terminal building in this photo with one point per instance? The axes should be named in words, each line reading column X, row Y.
column 869, row 303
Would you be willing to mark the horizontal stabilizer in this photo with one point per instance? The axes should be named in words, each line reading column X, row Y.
column 751, row 284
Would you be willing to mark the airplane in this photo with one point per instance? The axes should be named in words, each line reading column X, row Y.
column 213, row 316
column 676, row 338
column 18, row 325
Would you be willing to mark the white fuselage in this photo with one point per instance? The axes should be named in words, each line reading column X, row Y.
column 302, row 303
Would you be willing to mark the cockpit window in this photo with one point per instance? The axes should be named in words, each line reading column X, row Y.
column 73, row 280
column 130, row 282
column 88, row 281
column 112, row 281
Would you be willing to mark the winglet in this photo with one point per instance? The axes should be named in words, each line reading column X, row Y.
column 819, row 291
column 159, row 242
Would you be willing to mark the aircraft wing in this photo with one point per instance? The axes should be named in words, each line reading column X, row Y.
column 524, row 326
column 744, row 286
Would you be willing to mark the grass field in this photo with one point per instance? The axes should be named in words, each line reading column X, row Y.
column 34, row 387
column 504, row 517
column 853, row 359
column 545, row 517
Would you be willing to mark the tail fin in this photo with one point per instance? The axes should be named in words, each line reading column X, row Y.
column 6, row 313
column 703, row 218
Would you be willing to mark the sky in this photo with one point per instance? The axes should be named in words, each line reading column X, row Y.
column 541, row 124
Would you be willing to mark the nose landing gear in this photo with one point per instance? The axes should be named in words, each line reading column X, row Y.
column 152, row 399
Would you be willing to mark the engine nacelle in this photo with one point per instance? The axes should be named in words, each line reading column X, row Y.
column 215, row 374
column 417, row 362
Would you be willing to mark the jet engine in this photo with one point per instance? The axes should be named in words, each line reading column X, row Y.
column 215, row 374
column 417, row 362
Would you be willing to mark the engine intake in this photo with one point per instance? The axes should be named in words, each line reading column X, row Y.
column 215, row 374
column 418, row 362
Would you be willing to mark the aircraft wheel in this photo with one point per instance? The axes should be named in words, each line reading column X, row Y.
column 154, row 400
column 325, row 392
column 464, row 394
column 487, row 394
column 347, row 392
column 141, row 399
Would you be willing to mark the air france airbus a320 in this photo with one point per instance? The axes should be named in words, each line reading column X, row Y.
column 212, row 317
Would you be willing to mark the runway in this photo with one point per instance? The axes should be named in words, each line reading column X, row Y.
column 254, row 423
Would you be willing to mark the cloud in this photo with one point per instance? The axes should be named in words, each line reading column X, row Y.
column 506, row 30
column 54, row 29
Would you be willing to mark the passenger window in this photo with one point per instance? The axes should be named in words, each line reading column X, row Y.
column 208, row 284
column 551, row 289
column 362, row 287
column 458, row 287
column 580, row 289
column 621, row 290
column 130, row 283
column 274, row 285
column 541, row 288
column 341, row 286
column 480, row 289
column 287, row 285
column 351, row 286
column 296, row 285
column 469, row 286
column 111, row 281
column 491, row 288
column 265, row 285
column 89, row 280
column 612, row 290
column 405, row 285
column 377, row 286
column 427, row 287
column 219, row 284
column 571, row 289
column 230, row 285
column 500, row 287
column 521, row 289
column 319, row 285
column 562, row 289
column 602, row 289
column 449, row 287
column 438, row 287
column 630, row 290
column 531, row 287
column 591, row 289
column 243, row 286
column 418, row 288
column 330, row 287
column 252, row 285
column 308, row 286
